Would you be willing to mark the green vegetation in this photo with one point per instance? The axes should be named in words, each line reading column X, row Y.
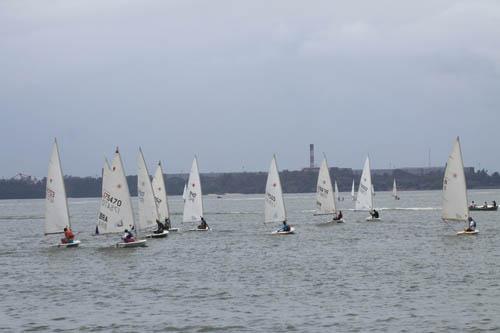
column 251, row 182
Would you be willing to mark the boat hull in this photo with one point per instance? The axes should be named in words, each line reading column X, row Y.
column 162, row 235
column 75, row 243
column 488, row 209
column 277, row 232
column 173, row 230
column 139, row 243
column 373, row 219
column 196, row 229
column 467, row 233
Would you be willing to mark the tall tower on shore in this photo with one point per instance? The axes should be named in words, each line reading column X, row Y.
column 311, row 155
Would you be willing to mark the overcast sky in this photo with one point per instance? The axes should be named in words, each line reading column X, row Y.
column 236, row 81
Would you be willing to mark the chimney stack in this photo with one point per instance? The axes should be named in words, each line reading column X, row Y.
column 311, row 155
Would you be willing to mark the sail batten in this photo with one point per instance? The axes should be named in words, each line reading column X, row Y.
column 325, row 201
column 274, row 204
column 455, row 202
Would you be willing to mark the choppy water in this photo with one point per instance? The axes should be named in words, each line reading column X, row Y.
column 406, row 273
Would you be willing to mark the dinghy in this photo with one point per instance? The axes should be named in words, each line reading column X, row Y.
column 394, row 190
column 115, row 213
column 148, row 209
column 325, row 200
column 455, row 202
column 193, row 205
column 488, row 208
column 364, row 200
column 56, row 202
column 160, row 192
column 353, row 194
column 274, row 205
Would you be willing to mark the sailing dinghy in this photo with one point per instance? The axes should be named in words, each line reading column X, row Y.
column 148, row 209
column 274, row 205
column 193, row 204
column 56, row 202
column 160, row 192
column 116, row 214
column 364, row 200
column 455, row 204
column 395, row 190
column 353, row 194
column 325, row 200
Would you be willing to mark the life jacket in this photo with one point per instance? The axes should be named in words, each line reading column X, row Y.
column 69, row 234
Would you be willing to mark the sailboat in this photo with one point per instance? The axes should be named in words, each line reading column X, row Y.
column 353, row 194
column 325, row 200
column 395, row 190
column 56, row 202
column 160, row 192
column 115, row 213
column 274, row 205
column 455, row 202
column 193, row 205
column 184, row 193
column 337, row 194
column 364, row 200
column 148, row 209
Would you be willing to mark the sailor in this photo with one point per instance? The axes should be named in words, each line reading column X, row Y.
column 203, row 224
column 68, row 236
column 494, row 203
column 128, row 237
column 167, row 224
column 374, row 214
column 338, row 216
column 472, row 224
column 161, row 227
column 473, row 204
column 285, row 227
column 485, row 205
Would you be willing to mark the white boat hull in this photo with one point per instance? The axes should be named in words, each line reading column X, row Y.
column 74, row 244
column 196, row 229
column 465, row 233
column 162, row 235
column 173, row 229
column 278, row 232
column 373, row 219
column 138, row 243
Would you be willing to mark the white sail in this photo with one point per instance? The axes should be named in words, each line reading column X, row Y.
column 56, row 203
column 193, row 206
column 364, row 200
column 160, row 191
column 337, row 194
column 325, row 201
column 184, row 193
column 274, row 205
column 353, row 195
column 148, row 210
column 455, row 202
column 394, row 189
column 115, row 214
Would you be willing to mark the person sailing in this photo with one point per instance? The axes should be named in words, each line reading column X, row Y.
column 203, row 224
column 374, row 214
column 128, row 237
column 338, row 216
column 472, row 225
column 160, row 229
column 494, row 203
column 167, row 224
column 69, row 237
column 485, row 205
column 285, row 227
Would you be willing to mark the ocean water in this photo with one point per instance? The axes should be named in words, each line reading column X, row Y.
column 407, row 273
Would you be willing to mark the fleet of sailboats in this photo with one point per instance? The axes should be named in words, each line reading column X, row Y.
column 116, row 212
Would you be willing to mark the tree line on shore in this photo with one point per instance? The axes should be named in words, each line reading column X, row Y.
column 303, row 181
